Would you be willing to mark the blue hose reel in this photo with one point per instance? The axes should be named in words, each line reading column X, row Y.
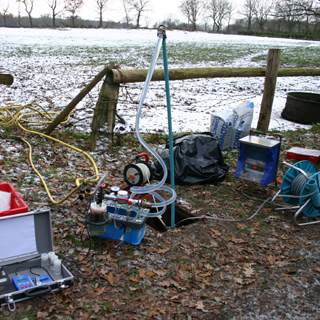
column 300, row 189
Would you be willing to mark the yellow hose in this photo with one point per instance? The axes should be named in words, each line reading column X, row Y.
column 14, row 114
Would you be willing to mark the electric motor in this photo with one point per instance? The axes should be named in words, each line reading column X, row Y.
column 138, row 174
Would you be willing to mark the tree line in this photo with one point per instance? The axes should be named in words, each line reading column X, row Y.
column 64, row 10
column 253, row 17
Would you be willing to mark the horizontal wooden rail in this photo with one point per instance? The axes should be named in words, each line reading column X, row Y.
column 126, row 76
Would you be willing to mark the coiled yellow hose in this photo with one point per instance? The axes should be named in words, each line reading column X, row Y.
column 12, row 116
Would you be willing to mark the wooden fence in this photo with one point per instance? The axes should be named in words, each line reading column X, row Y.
column 105, row 110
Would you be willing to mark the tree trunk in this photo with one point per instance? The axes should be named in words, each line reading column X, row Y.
column 30, row 20
column 138, row 20
column 269, row 89
column 100, row 20
column 104, row 116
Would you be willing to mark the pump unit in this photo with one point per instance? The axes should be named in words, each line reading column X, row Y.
column 117, row 217
column 122, row 214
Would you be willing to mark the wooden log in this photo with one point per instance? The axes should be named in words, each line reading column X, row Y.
column 6, row 79
column 104, row 116
column 269, row 89
column 66, row 111
column 296, row 72
column 126, row 76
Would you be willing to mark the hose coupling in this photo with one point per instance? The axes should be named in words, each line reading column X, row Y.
column 162, row 30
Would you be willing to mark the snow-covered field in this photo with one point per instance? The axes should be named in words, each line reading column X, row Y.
column 50, row 67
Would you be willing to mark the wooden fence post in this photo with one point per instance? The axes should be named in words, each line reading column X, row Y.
column 269, row 89
column 6, row 79
column 104, row 115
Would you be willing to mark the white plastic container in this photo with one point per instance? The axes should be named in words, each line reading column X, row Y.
column 221, row 125
column 243, row 115
column 57, row 267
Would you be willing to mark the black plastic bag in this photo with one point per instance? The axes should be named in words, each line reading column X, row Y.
column 197, row 159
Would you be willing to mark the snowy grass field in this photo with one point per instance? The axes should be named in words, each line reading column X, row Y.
column 50, row 67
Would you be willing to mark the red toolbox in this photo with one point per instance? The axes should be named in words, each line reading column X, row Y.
column 17, row 205
column 299, row 154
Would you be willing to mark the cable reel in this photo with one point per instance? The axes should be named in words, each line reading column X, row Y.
column 300, row 188
column 295, row 179
column 139, row 173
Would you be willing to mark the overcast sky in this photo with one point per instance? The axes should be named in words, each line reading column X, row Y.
column 159, row 10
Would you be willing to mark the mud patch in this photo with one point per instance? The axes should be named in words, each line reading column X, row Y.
column 163, row 223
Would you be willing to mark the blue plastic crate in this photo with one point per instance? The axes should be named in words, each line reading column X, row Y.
column 132, row 236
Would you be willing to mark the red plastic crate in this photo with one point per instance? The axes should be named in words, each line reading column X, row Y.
column 17, row 204
column 300, row 154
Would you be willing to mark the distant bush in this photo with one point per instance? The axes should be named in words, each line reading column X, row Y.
column 290, row 35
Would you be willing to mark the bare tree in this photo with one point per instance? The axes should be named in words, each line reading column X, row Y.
column 140, row 6
column 248, row 12
column 55, row 6
column 4, row 11
column 192, row 10
column 307, row 11
column 218, row 12
column 73, row 6
column 28, row 5
column 101, row 7
column 287, row 11
column 262, row 11
column 308, row 7
column 229, row 15
column 127, row 8
column 19, row 12
column 170, row 22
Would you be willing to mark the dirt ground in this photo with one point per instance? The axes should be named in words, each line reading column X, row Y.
column 264, row 268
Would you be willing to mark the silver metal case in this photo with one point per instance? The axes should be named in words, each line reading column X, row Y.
column 24, row 237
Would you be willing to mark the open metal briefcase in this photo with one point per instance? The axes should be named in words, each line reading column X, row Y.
column 25, row 240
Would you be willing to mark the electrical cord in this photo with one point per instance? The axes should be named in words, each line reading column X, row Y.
column 14, row 115
column 227, row 220
column 268, row 200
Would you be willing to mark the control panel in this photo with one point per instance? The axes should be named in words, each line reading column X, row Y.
column 22, row 282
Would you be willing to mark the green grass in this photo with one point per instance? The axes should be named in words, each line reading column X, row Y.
column 79, row 135
column 300, row 56
column 7, row 134
column 178, row 53
column 185, row 52
column 132, row 271
column 76, row 242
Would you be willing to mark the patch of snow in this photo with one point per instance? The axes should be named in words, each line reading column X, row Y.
column 56, row 71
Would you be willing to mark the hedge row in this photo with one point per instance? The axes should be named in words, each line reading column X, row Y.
column 291, row 35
